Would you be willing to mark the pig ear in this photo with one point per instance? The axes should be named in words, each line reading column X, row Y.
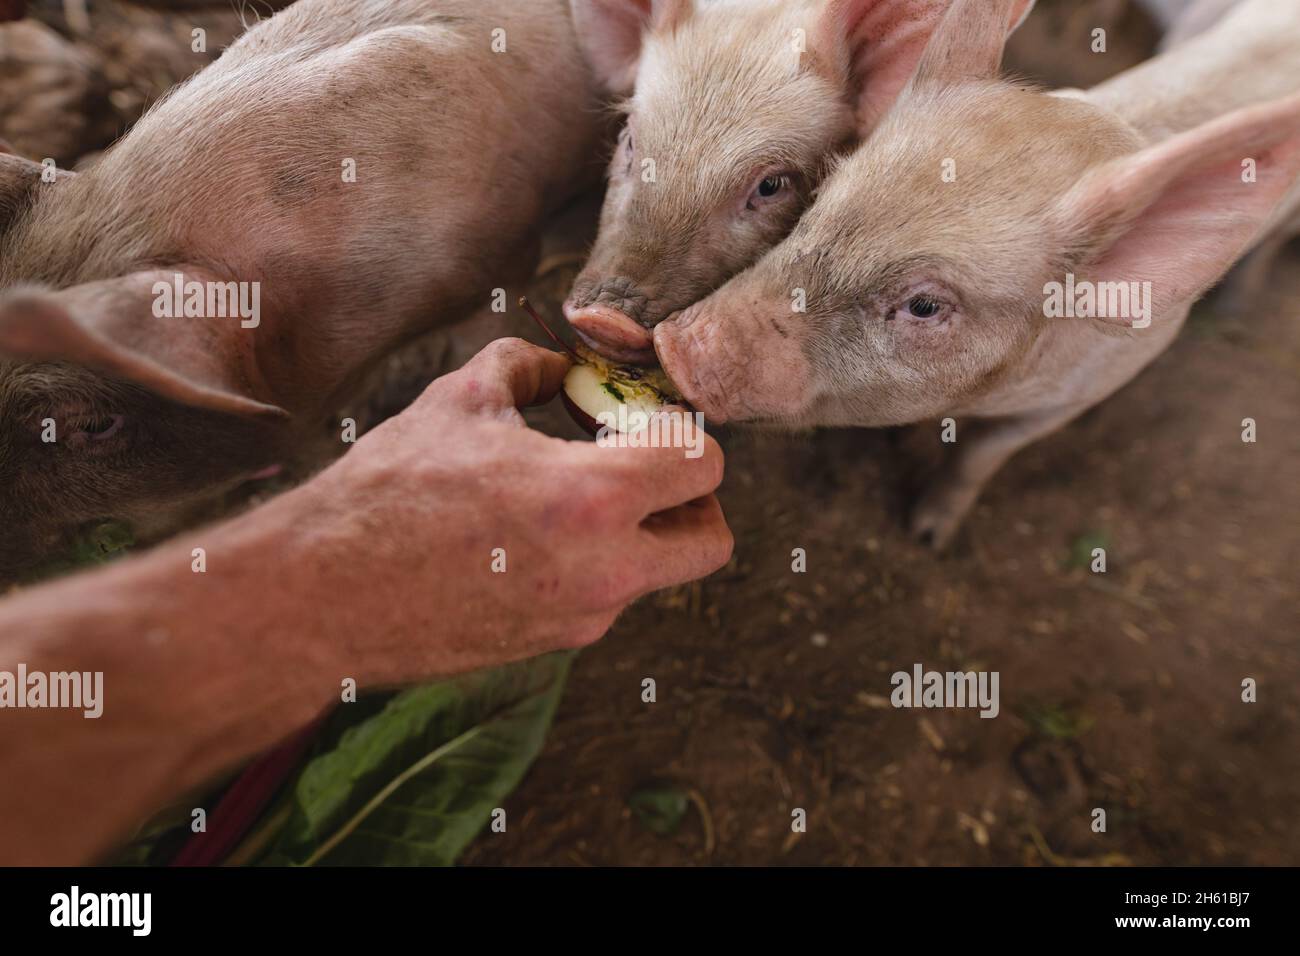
column 1179, row 214
column 611, row 33
column 879, row 43
column 110, row 327
column 20, row 179
column 970, row 40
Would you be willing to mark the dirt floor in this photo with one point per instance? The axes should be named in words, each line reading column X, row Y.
column 1120, row 691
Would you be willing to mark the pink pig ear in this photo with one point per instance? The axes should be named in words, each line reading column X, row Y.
column 1179, row 214
column 611, row 33
column 20, row 182
column 879, row 43
column 110, row 327
column 969, row 42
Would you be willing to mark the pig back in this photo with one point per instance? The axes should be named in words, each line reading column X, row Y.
column 367, row 154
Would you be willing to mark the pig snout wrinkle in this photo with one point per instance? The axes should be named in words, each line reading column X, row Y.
column 610, row 317
column 623, row 295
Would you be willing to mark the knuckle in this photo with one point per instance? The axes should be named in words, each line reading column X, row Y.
column 610, row 589
column 473, row 388
column 715, row 462
column 724, row 548
column 577, row 509
column 500, row 350
column 587, row 632
column 593, row 503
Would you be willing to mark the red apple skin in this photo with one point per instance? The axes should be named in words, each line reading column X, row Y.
column 585, row 421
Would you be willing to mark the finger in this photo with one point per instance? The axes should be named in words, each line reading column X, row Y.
column 683, row 544
column 507, row 375
column 687, row 464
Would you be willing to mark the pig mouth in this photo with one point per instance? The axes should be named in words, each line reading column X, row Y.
column 612, row 334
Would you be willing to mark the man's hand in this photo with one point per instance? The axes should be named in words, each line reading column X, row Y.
column 379, row 570
column 474, row 541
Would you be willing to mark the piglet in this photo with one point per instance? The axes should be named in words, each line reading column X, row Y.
column 735, row 110
column 1005, row 256
column 180, row 316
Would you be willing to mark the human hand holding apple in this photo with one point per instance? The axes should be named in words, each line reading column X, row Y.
column 450, row 538
column 498, row 542
column 595, row 389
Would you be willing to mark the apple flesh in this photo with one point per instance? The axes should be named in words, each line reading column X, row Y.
column 596, row 386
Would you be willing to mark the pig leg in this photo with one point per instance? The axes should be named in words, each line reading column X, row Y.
column 982, row 448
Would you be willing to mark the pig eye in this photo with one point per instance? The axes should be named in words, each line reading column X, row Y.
column 924, row 307
column 627, row 146
column 770, row 188
column 98, row 428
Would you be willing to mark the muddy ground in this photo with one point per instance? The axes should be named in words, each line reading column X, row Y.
column 1119, row 691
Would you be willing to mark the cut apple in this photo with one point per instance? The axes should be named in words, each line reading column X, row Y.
column 599, row 392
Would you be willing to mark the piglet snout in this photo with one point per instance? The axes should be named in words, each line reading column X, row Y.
column 611, row 333
column 686, row 364
column 730, row 362
column 607, row 314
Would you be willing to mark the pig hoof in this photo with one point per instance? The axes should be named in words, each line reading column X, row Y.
column 935, row 521
column 930, row 535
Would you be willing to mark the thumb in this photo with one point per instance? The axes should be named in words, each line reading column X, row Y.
column 509, row 374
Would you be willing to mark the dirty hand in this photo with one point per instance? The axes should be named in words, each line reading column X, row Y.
column 464, row 539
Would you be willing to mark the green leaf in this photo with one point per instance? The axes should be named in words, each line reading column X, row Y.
column 413, row 784
column 660, row 809
column 157, row 840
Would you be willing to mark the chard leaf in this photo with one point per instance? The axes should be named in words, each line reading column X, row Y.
column 413, row 784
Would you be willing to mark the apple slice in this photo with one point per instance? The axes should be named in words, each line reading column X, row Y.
column 595, row 386
column 626, row 395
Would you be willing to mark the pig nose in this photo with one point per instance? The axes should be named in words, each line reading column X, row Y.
column 676, row 349
column 611, row 332
column 609, row 313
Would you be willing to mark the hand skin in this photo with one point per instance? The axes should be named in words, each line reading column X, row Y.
column 379, row 569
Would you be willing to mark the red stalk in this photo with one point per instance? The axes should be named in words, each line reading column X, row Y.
column 527, row 307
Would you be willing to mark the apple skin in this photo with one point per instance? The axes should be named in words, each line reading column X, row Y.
column 584, row 421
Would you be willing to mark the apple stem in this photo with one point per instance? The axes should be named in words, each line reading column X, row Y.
column 528, row 307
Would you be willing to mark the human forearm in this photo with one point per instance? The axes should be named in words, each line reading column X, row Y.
column 200, row 670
